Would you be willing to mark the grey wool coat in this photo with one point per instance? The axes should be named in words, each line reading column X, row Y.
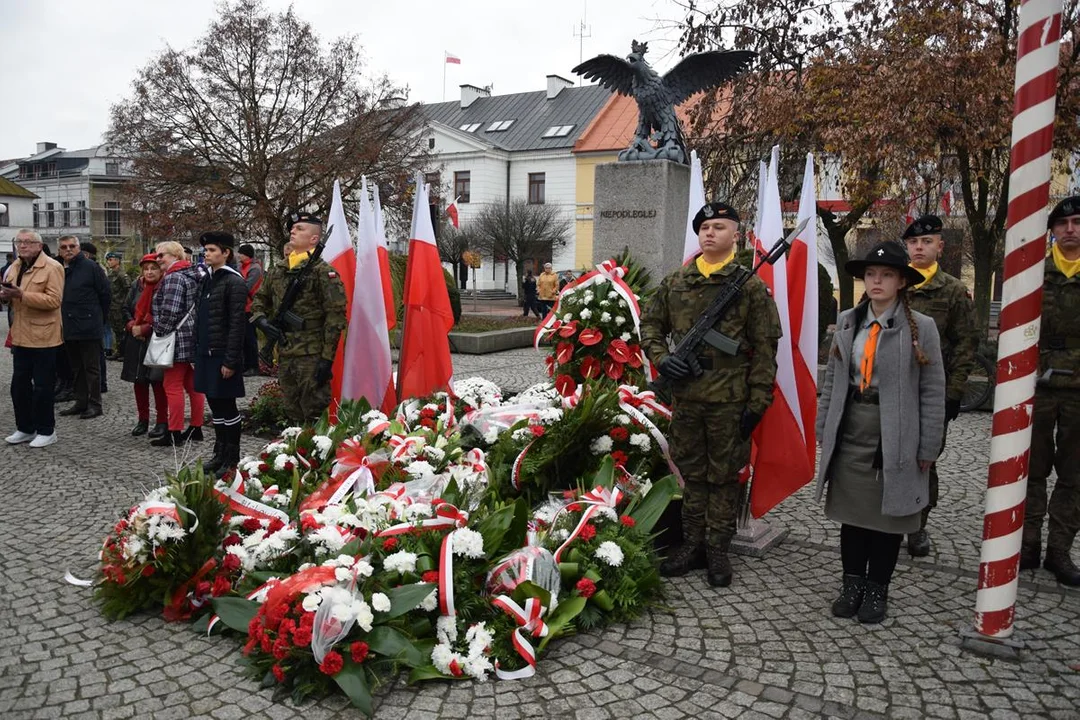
column 912, row 406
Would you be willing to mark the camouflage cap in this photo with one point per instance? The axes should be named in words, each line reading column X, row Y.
column 715, row 211
column 1066, row 208
column 926, row 225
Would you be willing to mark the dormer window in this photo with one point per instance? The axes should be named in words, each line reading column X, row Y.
column 470, row 127
column 499, row 126
column 556, row 131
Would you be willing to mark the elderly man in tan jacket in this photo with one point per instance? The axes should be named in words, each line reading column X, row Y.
column 33, row 287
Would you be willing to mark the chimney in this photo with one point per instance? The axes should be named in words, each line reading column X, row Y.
column 471, row 93
column 395, row 102
column 45, row 147
column 556, row 84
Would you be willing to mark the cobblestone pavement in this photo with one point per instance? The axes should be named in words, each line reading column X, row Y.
column 765, row 648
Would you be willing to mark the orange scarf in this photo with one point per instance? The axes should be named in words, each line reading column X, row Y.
column 869, row 350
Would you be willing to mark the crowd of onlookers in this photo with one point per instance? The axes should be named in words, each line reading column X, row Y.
column 539, row 293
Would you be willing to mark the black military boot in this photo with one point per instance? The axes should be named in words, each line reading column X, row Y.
column 719, row 571
column 230, row 456
column 875, row 603
column 193, row 432
column 1064, row 569
column 918, row 543
column 214, row 463
column 140, row 428
column 174, row 438
column 684, row 558
column 1031, row 555
column 851, row 596
column 158, row 430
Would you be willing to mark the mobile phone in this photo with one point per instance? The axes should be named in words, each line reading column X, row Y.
column 8, row 285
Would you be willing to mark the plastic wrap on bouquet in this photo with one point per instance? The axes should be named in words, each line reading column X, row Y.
column 497, row 418
column 528, row 564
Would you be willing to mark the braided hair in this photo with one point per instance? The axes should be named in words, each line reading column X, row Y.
column 920, row 356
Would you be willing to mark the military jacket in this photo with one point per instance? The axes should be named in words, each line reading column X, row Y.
column 746, row 377
column 321, row 305
column 119, row 286
column 1059, row 339
column 945, row 300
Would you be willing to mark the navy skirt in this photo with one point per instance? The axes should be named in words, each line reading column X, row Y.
column 209, row 382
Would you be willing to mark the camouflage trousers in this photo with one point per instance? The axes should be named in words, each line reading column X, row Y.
column 934, row 480
column 1055, row 445
column 305, row 400
column 707, row 448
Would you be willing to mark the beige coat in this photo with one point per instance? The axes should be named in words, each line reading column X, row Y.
column 36, row 318
column 547, row 286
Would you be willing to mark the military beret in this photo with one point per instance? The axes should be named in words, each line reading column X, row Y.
column 114, row 254
column 926, row 225
column 246, row 250
column 715, row 211
column 1065, row 208
column 216, row 237
column 304, row 217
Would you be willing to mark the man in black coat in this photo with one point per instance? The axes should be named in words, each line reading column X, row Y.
column 84, row 308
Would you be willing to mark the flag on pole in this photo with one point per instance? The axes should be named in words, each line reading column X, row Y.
column 947, row 200
column 339, row 252
column 697, row 201
column 368, row 369
column 802, row 273
column 452, row 59
column 425, row 366
column 912, row 210
column 452, row 213
column 779, row 454
column 384, row 261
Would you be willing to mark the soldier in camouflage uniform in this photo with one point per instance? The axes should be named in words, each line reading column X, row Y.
column 715, row 413
column 306, row 355
column 119, row 286
column 944, row 299
column 1057, row 405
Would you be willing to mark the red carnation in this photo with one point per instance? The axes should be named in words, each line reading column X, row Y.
column 302, row 635
column 230, row 540
column 264, row 456
column 568, row 330
column 160, row 552
column 120, row 527
column 590, row 336
column 275, row 525
column 263, row 467
column 389, row 544
column 569, row 494
column 359, row 651
column 230, row 563
column 286, row 628
column 628, row 521
column 455, row 668
column 147, row 571
column 573, row 507
column 221, row 586
column 619, row 351
column 289, row 465
column 280, row 649
column 590, row 368
column 537, row 430
column 431, row 576
column 620, row 458
column 249, row 646
column 302, row 452
column 585, row 587
column 265, row 644
column 307, row 620
column 251, row 525
column 565, row 385
column 427, row 412
column 202, row 588
column 588, row 532
column 279, row 674
column 255, row 626
column 308, row 523
column 613, row 369
column 619, row 434
column 563, row 352
column 332, row 663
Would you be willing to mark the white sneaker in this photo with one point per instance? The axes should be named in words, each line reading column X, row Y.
column 43, row 441
column 19, row 437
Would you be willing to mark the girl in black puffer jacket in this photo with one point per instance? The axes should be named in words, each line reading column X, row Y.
column 219, row 346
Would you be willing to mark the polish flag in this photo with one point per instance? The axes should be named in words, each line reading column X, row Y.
column 341, row 255
column 947, row 200
column 384, row 261
column 912, row 210
column 779, row 454
column 369, row 372
column 802, row 272
column 425, row 366
column 691, row 248
column 452, row 213
column 452, row 59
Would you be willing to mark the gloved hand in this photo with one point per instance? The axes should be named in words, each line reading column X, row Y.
column 747, row 423
column 269, row 329
column 952, row 410
column 673, row 368
column 324, row 371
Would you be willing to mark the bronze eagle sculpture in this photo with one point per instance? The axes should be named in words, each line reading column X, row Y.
column 657, row 96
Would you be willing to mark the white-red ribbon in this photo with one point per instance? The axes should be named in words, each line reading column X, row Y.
column 530, row 620
column 629, row 402
column 596, row 498
column 243, row 505
column 402, row 446
column 446, row 517
column 515, row 470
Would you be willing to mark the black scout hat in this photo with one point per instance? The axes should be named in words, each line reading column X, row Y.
column 216, row 237
column 926, row 225
column 1065, row 208
column 304, row 217
column 889, row 254
column 715, row 211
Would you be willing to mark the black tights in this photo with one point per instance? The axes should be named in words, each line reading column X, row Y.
column 223, row 410
column 861, row 549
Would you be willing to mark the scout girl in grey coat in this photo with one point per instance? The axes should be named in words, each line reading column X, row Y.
column 880, row 419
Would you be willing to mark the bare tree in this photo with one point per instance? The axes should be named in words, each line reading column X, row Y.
column 257, row 119
column 518, row 231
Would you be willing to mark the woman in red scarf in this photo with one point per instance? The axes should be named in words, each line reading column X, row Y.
column 139, row 327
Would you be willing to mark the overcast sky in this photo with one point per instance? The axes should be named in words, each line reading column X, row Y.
column 67, row 61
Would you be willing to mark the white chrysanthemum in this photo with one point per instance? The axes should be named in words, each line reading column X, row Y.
column 417, row 511
column 468, row 543
column 561, row 534
column 380, row 602
column 477, row 667
column 620, row 320
column 362, row 612
column 601, row 445
column 328, row 540
column 622, row 419
column 280, row 460
column 291, row 433
column 641, row 440
column 134, row 546
column 430, row 602
column 585, row 313
column 446, row 629
column 478, row 637
column 420, row 468
column 603, row 511
column 322, row 444
column 605, row 317
column 275, row 447
column 401, row 562
column 491, row 436
column 522, row 435
column 550, row 416
column 435, row 454
column 372, row 415
column 610, row 553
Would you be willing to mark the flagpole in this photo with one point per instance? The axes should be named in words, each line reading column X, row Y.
column 444, row 63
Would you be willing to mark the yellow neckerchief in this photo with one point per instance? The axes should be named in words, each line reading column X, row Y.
column 1067, row 267
column 928, row 274
column 296, row 258
column 707, row 268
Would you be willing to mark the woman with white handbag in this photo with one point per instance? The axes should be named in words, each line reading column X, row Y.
column 173, row 304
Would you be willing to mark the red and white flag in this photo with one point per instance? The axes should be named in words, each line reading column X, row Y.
column 425, row 366
column 452, row 59
column 452, row 213
column 384, row 261
column 912, row 210
column 779, row 456
column 947, row 200
column 691, row 248
column 339, row 252
column 368, row 368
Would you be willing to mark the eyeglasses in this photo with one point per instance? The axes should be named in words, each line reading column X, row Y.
column 68, row 247
column 24, row 243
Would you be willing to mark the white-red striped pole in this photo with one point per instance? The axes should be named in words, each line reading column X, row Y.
column 1039, row 32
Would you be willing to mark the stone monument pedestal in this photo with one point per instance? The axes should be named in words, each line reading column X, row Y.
column 641, row 205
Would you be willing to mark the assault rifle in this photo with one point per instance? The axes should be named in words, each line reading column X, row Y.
column 285, row 320
column 703, row 332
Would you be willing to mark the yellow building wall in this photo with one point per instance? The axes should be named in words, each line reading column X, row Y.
column 583, row 224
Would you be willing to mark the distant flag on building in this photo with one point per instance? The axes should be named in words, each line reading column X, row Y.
column 452, row 59
column 341, row 255
column 947, row 200
column 452, row 213
column 697, row 201
column 384, row 260
column 912, row 210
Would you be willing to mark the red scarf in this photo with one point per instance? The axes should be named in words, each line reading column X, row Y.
column 178, row 265
column 143, row 314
